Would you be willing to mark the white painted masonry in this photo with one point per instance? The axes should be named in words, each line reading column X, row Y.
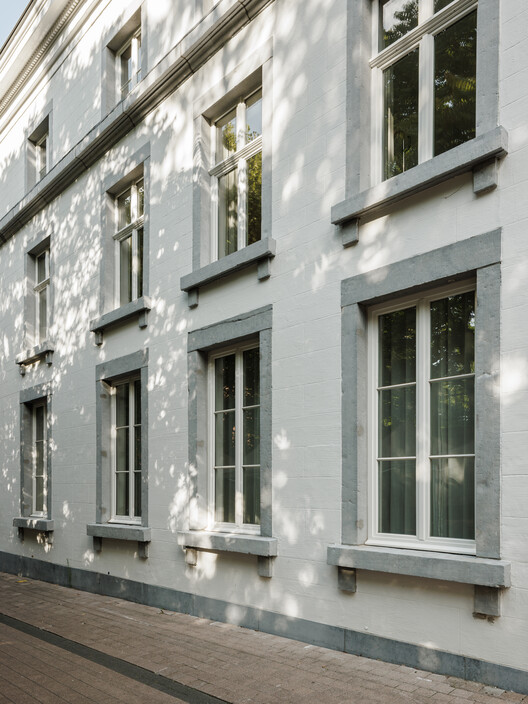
column 55, row 61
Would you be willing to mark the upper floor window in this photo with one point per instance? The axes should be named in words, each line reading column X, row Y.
column 129, row 64
column 40, row 290
column 422, row 481
column 237, row 176
column 235, row 429
column 425, row 71
column 39, row 152
column 129, row 218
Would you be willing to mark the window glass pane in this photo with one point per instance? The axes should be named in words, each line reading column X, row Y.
column 455, row 84
column 400, row 128
column 122, row 494
column 39, row 458
column 39, row 494
column 251, row 495
column 125, row 270
column 40, row 418
column 226, row 138
column 251, row 377
column 397, row 418
column 124, row 212
column 251, row 449
column 138, row 58
column 126, row 70
column 137, row 448
column 43, row 314
column 41, row 267
column 397, row 17
column 453, row 498
column 254, row 116
column 137, row 402
column 397, row 497
column 227, row 214
column 141, row 198
column 453, row 335
column 122, row 405
column 397, row 344
column 225, row 382
column 225, row 495
column 225, row 437
column 42, row 157
column 453, row 417
column 122, row 459
column 254, row 198
column 137, row 494
column 140, row 263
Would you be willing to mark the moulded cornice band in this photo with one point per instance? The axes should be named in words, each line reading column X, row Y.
column 190, row 54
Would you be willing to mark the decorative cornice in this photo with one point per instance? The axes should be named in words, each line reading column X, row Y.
column 37, row 55
column 190, row 54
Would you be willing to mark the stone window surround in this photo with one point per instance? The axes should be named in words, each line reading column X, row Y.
column 364, row 199
column 117, row 35
column 479, row 257
column 115, row 182
column 44, row 350
column 253, row 72
column 105, row 374
column 41, row 524
column 34, row 131
column 256, row 324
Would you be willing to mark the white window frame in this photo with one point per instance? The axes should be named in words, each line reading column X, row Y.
column 134, row 42
column 34, row 511
column 237, row 160
column 421, row 37
column 238, row 526
column 38, row 289
column 137, row 223
column 130, row 518
column 422, row 540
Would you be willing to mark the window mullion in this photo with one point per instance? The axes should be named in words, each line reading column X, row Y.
column 131, row 448
column 135, row 264
column 425, row 10
column 426, row 98
column 373, row 423
column 238, row 437
column 422, row 426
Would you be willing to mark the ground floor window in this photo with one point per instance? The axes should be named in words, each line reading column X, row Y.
column 422, row 479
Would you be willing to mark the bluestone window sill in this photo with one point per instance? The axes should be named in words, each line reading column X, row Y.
column 259, row 252
column 34, row 354
column 43, row 525
column 478, row 155
column 135, row 309
column 464, row 569
column 228, row 542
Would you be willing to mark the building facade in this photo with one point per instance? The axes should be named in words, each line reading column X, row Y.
column 263, row 338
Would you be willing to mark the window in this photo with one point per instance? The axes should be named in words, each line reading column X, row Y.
column 235, row 430
column 129, row 218
column 126, row 433
column 426, row 68
column 35, row 459
column 39, row 458
column 38, row 152
column 237, row 176
column 122, row 449
column 422, row 482
column 128, row 59
column 41, row 149
column 40, row 290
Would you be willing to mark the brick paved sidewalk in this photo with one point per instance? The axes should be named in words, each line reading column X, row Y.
column 58, row 644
